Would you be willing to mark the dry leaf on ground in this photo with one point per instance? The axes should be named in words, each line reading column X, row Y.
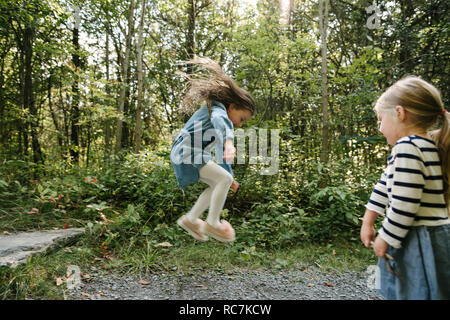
column 164, row 244
column 60, row 281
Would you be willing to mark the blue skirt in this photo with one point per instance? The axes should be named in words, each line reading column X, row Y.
column 422, row 266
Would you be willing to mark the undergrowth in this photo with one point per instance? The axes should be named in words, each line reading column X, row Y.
column 130, row 203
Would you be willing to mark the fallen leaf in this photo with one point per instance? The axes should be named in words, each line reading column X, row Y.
column 33, row 211
column 311, row 285
column 85, row 294
column 164, row 244
column 328, row 284
column 59, row 281
column 102, row 216
column 199, row 285
column 143, row 282
column 85, row 276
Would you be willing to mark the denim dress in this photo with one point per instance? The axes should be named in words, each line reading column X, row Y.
column 193, row 147
column 420, row 269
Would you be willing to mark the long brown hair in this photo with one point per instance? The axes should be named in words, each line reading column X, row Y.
column 425, row 104
column 214, row 86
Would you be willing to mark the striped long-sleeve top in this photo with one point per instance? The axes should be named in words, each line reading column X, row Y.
column 410, row 191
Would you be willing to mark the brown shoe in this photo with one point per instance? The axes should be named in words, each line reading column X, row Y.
column 223, row 233
column 193, row 228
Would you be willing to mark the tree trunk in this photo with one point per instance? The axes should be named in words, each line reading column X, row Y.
column 190, row 36
column 75, row 113
column 108, row 91
column 28, row 93
column 123, row 88
column 53, row 114
column 140, row 76
column 407, row 45
column 21, row 122
column 323, row 25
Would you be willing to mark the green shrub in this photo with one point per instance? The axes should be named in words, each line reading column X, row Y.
column 140, row 195
column 285, row 209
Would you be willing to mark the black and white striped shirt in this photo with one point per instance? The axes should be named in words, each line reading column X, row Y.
column 410, row 191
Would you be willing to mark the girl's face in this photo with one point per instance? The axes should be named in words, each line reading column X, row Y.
column 238, row 116
column 389, row 126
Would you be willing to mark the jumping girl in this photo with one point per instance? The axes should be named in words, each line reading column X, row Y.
column 226, row 106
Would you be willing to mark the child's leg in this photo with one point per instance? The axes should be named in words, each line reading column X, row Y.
column 220, row 181
column 200, row 205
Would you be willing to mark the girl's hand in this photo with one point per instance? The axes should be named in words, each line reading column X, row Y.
column 235, row 186
column 367, row 234
column 229, row 151
column 380, row 247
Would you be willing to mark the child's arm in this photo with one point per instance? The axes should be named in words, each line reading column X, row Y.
column 229, row 151
column 368, row 234
column 406, row 193
column 376, row 206
column 367, row 229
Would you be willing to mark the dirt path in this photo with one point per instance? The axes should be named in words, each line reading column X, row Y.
column 303, row 284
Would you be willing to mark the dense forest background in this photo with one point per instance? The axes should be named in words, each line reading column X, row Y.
column 90, row 97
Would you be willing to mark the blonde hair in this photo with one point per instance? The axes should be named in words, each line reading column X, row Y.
column 216, row 85
column 424, row 102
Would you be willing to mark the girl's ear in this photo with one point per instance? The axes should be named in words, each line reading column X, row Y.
column 401, row 113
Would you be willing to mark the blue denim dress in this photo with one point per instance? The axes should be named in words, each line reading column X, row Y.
column 422, row 266
column 193, row 146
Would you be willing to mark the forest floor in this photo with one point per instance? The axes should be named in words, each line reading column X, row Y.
column 189, row 270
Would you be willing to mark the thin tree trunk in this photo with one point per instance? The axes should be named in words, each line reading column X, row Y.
column 29, row 102
column 125, row 61
column 75, row 112
column 22, row 123
column 65, row 120
column 323, row 25
column 107, row 121
column 190, row 36
column 140, row 76
column 53, row 114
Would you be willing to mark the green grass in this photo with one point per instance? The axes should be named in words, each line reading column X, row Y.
column 212, row 255
column 141, row 254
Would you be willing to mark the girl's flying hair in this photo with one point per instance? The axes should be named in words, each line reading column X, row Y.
column 214, row 86
column 424, row 103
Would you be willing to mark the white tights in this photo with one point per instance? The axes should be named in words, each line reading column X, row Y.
column 219, row 181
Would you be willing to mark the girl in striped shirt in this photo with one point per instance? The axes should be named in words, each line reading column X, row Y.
column 412, row 194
